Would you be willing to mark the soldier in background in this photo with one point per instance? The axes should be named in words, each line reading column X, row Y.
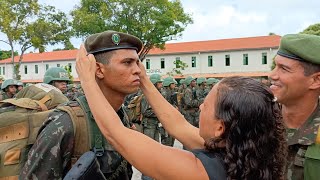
column 20, row 86
column 190, row 103
column 170, row 95
column 210, row 83
column 150, row 122
column 201, row 89
column 182, row 86
column 295, row 82
column 9, row 89
column 58, row 77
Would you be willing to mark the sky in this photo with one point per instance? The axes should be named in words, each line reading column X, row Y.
column 224, row 19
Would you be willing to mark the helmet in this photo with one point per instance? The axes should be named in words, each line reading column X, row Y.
column 55, row 74
column 212, row 81
column 8, row 82
column 188, row 80
column 201, row 80
column 154, row 78
column 168, row 80
column 182, row 81
column 19, row 83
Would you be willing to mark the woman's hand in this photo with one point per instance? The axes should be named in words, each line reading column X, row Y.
column 143, row 74
column 85, row 65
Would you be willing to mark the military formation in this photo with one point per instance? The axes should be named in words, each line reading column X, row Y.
column 54, row 147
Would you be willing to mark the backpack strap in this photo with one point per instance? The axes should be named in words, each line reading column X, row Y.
column 97, row 140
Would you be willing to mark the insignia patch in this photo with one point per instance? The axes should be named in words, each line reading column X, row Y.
column 63, row 75
column 116, row 39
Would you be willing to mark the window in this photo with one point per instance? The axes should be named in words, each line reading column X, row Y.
column 178, row 62
column 193, row 61
column 0, row 71
column 70, row 66
column 36, row 70
column 47, row 66
column 25, row 69
column 58, row 65
column 148, row 63
column 227, row 60
column 210, row 62
column 4, row 71
column 162, row 63
column 264, row 58
column 245, row 59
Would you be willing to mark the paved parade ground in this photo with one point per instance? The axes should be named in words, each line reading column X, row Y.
column 137, row 174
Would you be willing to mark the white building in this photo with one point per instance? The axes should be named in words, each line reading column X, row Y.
column 250, row 56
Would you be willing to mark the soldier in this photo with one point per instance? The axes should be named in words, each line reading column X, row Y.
column 117, row 75
column 58, row 77
column 201, row 89
column 9, row 88
column 170, row 95
column 189, row 102
column 210, row 83
column 295, row 82
column 149, row 119
column 20, row 86
column 71, row 92
column 182, row 86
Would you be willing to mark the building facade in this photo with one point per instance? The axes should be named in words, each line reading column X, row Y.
column 250, row 56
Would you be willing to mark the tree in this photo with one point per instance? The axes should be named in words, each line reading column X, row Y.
column 68, row 69
column 4, row 54
column 29, row 24
column 180, row 65
column 154, row 22
column 312, row 29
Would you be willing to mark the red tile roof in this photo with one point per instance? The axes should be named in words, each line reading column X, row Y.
column 220, row 45
column 171, row 48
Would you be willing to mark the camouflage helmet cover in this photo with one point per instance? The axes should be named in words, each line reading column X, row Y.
column 169, row 80
column 9, row 82
column 55, row 74
column 201, row 80
column 188, row 80
column 212, row 81
column 154, row 78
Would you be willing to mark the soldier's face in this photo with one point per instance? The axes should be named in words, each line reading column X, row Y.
column 62, row 85
column 121, row 74
column 209, row 126
column 288, row 82
column 172, row 86
column 12, row 89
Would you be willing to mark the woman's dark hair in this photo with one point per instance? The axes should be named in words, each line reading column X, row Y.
column 254, row 144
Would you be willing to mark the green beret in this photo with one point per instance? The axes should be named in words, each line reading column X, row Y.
column 301, row 47
column 111, row 40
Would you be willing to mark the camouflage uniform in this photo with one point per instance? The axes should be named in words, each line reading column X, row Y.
column 191, row 106
column 149, row 120
column 167, row 139
column 4, row 96
column 303, row 151
column 50, row 156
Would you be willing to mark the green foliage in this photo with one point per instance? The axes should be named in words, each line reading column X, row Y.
column 68, row 69
column 153, row 21
column 273, row 65
column 312, row 29
column 17, row 71
column 6, row 54
column 29, row 24
column 179, row 67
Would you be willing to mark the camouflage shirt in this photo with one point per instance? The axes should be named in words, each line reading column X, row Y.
column 189, row 99
column 50, row 156
column 201, row 94
column 168, row 94
column 303, row 152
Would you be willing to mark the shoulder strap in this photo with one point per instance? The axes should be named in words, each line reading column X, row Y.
column 80, row 126
column 97, row 140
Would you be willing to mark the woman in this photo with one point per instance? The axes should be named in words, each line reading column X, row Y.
column 240, row 135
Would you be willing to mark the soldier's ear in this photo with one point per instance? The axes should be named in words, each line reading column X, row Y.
column 315, row 81
column 99, row 70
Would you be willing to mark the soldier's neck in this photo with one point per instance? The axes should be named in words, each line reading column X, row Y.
column 295, row 115
column 115, row 98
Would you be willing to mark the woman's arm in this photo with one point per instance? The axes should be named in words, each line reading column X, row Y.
column 166, row 162
column 171, row 119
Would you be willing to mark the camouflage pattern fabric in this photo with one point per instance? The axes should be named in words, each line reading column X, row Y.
column 191, row 106
column 303, row 153
column 4, row 96
column 50, row 156
column 167, row 139
column 149, row 125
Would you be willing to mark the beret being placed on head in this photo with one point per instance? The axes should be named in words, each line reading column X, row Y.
column 111, row 40
column 301, row 47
